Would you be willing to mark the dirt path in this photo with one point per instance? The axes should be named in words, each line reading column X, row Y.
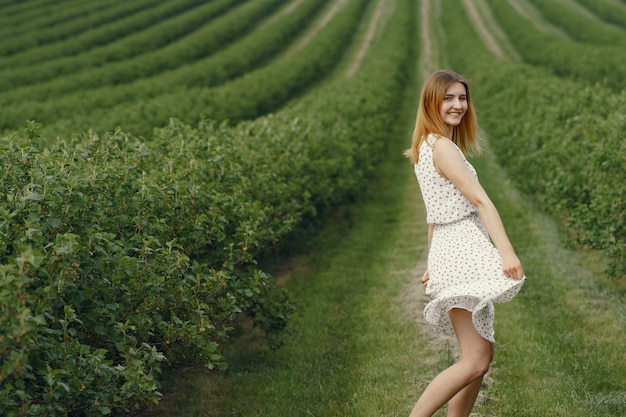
column 583, row 11
column 530, row 13
column 321, row 24
column 287, row 10
column 488, row 39
column 415, row 299
column 369, row 36
column 427, row 66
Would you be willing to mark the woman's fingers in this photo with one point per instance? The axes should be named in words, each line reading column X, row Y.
column 515, row 272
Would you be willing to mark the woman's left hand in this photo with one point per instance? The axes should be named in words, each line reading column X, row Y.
column 512, row 266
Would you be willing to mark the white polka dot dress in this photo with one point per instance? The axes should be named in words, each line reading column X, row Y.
column 465, row 269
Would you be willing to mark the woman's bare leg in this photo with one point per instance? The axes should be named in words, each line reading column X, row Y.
column 462, row 403
column 476, row 354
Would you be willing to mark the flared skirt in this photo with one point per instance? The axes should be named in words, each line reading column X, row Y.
column 465, row 271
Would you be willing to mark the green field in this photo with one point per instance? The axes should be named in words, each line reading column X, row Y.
column 205, row 210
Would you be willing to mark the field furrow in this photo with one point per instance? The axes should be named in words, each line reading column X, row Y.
column 78, row 21
column 488, row 30
column 581, row 24
column 372, row 28
column 591, row 63
column 127, row 27
column 611, row 11
column 250, row 52
column 260, row 91
column 23, row 17
column 528, row 11
column 202, row 42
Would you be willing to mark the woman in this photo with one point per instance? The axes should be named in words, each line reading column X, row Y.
column 471, row 262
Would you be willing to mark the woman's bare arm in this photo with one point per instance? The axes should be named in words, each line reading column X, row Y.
column 450, row 164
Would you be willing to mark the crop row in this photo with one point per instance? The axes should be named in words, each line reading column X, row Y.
column 255, row 93
column 144, row 31
column 21, row 17
column 591, row 63
column 570, row 157
column 117, row 251
column 609, row 11
column 560, row 140
column 200, row 43
column 251, row 51
column 79, row 17
column 581, row 27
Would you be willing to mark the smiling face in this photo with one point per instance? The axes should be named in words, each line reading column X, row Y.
column 454, row 105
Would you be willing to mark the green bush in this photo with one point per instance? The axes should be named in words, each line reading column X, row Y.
column 579, row 27
column 564, row 146
column 84, row 240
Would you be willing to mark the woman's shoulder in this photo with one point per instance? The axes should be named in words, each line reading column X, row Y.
column 446, row 147
column 434, row 139
column 439, row 144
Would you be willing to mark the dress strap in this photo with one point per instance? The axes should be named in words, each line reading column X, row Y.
column 431, row 139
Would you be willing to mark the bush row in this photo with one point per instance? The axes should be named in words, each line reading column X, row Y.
column 579, row 27
column 149, row 29
column 568, row 154
column 73, row 19
column 21, row 17
column 202, row 42
column 118, row 252
column 611, row 12
column 250, row 52
column 590, row 63
column 253, row 94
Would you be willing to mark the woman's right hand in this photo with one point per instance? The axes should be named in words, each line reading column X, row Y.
column 425, row 278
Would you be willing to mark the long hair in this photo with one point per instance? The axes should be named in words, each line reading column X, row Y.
column 429, row 119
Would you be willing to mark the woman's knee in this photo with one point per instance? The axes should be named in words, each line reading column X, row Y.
column 482, row 366
column 477, row 365
column 476, row 352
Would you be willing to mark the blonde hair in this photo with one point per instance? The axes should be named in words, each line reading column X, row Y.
column 429, row 119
